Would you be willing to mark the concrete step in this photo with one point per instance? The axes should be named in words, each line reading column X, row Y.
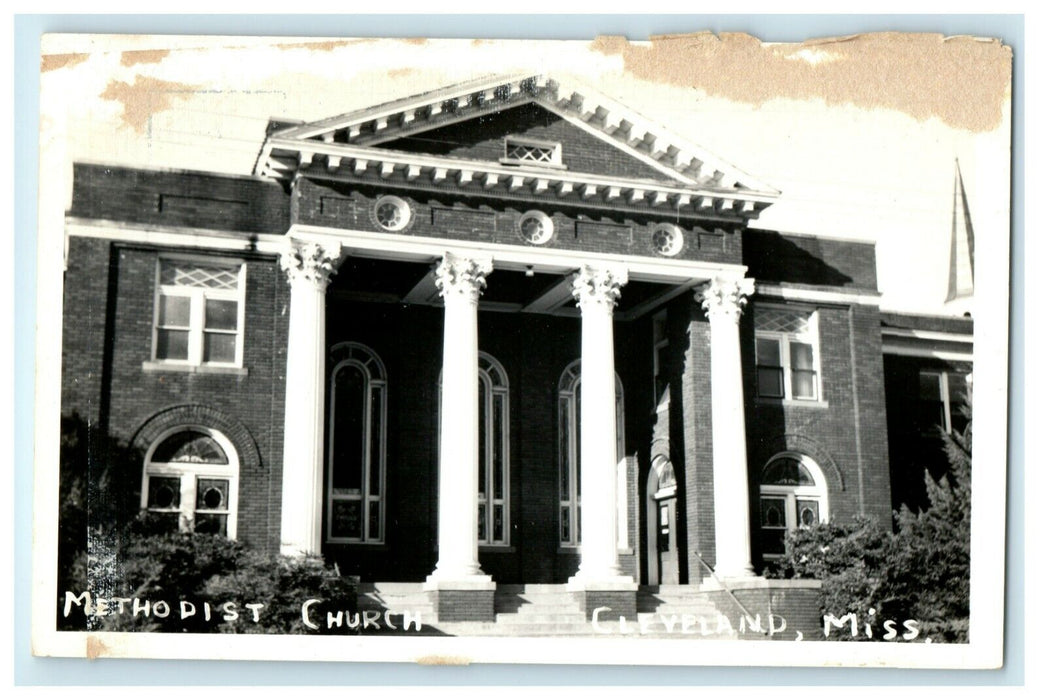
column 516, row 606
column 391, row 587
column 541, row 616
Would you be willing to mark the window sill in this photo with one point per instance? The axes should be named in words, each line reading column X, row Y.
column 497, row 548
column 373, row 546
column 157, row 366
column 576, row 549
column 531, row 164
column 763, row 401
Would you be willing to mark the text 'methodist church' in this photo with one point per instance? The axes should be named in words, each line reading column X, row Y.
column 505, row 332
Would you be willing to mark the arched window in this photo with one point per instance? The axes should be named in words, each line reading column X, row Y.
column 493, row 452
column 190, row 481
column 792, row 495
column 570, row 457
column 493, row 396
column 356, row 450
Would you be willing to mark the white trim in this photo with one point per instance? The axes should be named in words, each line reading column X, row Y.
column 176, row 236
column 562, row 89
column 818, row 492
column 818, row 295
column 571, row 374
column 190, row 473
column 373, row 380
column 929, row 335
column 555, row 149
column 490, row 395
column 892, row 349
column 494, row 367
column 943, row 394
column 610, row 140
column 811, row 337
column 197, row 325
column 368, row 154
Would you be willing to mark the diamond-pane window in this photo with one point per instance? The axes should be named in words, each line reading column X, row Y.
column 522, row 151
column 781, row 320
column 198, row 313
column 787, row 354
column 186, row 275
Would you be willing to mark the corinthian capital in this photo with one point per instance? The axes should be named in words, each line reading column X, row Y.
column 310, row 262
column 725, row 298
column 598, row 286
column 462, row 277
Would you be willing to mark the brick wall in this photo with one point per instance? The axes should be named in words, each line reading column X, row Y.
column 691, row 422
column 491, row 220
column 534, row 350
column 107, row 345
column 795, row 606
column 808, row 260
column 844, row 433
column 178, row 198
column 483, row 139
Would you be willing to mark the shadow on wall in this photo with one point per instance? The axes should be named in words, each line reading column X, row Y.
column 771, row 257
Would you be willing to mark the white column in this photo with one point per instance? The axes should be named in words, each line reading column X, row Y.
column 309, row 266
column 597, row 291
column 460, row 281
column 722, row 300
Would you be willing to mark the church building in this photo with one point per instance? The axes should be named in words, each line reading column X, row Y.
column 505, row 332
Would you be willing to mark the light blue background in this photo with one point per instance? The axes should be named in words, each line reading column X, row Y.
column 778, row 28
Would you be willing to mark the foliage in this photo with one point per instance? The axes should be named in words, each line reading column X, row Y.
column 187, row 571
column 920, row 572
column 105, row 548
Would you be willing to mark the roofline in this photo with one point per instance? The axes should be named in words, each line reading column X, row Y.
column 583, row 107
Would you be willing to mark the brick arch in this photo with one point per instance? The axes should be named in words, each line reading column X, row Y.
column 204, row 416
column 790, row 442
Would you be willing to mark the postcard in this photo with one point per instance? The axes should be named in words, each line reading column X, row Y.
column 452, row 351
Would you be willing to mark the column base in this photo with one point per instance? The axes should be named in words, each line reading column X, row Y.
column 295, row 550
column 736, row 573
column 618, row 593
column 470, row 599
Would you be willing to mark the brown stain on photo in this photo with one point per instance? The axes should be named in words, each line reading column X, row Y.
column 61, row 60
column 95, row 647
column 145, row 97
column 440, row 660
column 329, row 45
column 963, row 81
column 134, row 58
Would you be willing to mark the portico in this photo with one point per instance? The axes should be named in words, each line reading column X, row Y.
column 453, row 278
column 509, row 228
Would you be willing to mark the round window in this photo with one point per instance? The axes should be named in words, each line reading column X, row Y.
column 392, row 213
column 535, row 227
column 163, row 497
column 212, row 498
column 667, row 240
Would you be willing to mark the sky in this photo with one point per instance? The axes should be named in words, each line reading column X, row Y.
column 860, row 135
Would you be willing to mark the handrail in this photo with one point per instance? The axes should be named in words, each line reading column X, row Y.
column 730, row 593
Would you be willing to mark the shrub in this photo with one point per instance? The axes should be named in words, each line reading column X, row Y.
column 920, row 572
column 207, row 576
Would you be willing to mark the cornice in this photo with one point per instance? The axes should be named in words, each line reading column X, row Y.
column 695, row 179
column 290, row 158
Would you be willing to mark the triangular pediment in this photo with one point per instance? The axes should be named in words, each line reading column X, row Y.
column 519, row 133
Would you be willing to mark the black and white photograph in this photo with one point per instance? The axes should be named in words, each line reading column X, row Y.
column 622, row 352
